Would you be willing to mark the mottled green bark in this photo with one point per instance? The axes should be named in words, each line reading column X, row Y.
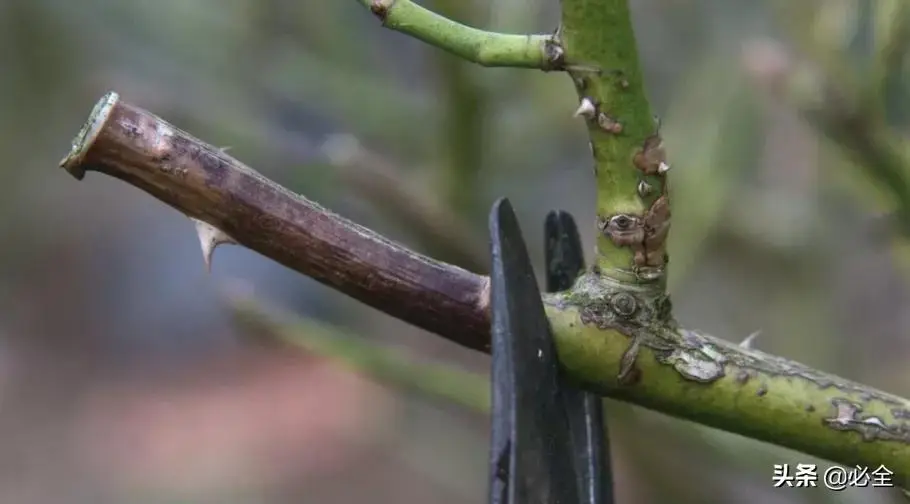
column 698, row 377
column 602, row 57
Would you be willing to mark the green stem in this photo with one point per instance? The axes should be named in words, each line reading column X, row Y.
column 482, row 47
column 602, row 58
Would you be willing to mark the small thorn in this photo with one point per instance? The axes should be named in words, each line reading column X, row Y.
column 209, row 239
column 663, row 168
column 225, row 148
column 644, row 188
column 747, row 343
column 607, row 123
column 585, row 109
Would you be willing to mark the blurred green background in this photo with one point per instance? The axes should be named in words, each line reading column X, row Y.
column 125, row 376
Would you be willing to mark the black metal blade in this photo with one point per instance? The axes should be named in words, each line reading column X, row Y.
column 531, row 456
column 565, row 261
column 562, row 246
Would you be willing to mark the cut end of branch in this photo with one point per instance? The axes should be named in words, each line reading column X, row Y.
column 72, row 163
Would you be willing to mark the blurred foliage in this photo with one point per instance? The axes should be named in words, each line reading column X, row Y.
column 775, row 228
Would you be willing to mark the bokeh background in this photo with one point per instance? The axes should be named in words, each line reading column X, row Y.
column 128, row 375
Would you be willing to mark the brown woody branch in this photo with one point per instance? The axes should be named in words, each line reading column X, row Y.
column 204, row 183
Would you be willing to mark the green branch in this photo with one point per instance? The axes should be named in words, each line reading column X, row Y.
column 482, row 47
column 629, row 164
column 600, row 326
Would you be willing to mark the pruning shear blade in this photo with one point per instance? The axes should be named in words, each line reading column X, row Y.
column 547, row 442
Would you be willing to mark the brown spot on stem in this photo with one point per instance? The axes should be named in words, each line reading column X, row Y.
column 380, row 8
column 656, row 229
column 742, row 377
column 609, row 124
column 651, row 156
column 847, row 417
column 625, row 230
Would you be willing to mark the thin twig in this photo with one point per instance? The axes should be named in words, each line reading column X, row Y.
column 477, row 46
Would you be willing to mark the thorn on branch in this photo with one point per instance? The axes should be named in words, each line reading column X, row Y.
column 585, row 109
column 750, row 339
column 652, row 158
column 209, row 239
column 644, row 188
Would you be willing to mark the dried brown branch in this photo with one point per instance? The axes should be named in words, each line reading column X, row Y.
column 229, row 198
